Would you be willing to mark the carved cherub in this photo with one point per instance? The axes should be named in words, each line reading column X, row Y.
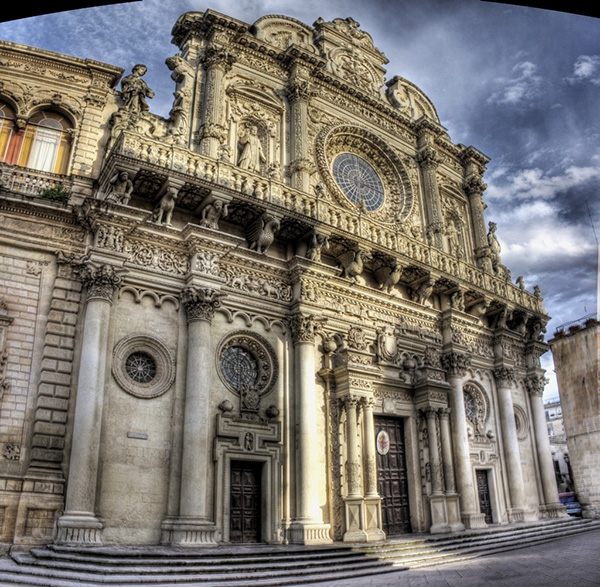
column 260, row 234
column 165, row 207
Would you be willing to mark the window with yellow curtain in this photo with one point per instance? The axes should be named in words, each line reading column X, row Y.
column 7, row 125
column 46, row 143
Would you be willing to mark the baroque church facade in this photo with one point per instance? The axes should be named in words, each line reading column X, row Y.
column 277, row 315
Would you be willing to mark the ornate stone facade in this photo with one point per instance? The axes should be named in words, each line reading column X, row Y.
column 286, row 284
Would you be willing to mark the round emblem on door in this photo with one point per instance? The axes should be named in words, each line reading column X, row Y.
column 383, row 442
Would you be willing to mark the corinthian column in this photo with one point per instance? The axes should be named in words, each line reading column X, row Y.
column 504, row 377
column 307, row 526
column 194, row 526
column 370, row 449
column 535, row 386
column 456, row 365
column 217, row 62
column 79, row 524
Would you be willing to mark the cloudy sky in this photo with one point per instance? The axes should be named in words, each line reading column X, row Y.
column 520, row 84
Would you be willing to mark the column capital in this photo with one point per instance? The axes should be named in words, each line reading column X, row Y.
column 218, row 57
column 101, row 280
column 201, row 302
column 474, row 186
column 304, row 327
column 299, row 90
column 444, row 413
column 535, row 385
column 504, row 375
column 456, row 364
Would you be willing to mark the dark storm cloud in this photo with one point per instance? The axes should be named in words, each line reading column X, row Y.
column 520, row 84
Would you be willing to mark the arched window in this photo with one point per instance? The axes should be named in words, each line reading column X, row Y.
column 7, row 125
column 46, row 144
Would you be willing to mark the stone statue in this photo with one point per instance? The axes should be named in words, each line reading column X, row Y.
column 120, row 189
column 316, row 243
column 212, row 213
column 251, row 155
column 260, row 234
column 165, row 207
column 520, row 282
column 494, row 245
column 135, row 90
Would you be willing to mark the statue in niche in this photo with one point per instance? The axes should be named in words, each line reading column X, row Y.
column 212, row 213
column 120, row 189
column 165, row 207
column 316, row 243
column 251, row 152
column 494, row 245
column 135, row 90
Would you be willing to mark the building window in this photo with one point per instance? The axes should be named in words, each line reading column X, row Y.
column 44, row 144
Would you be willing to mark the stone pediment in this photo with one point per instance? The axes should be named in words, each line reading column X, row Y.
column 282, row 32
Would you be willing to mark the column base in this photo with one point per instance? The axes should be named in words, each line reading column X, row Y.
column 309, row 533
column 472, row 521
column 453, row 511
column 552, row 511
column 363, row 519
column 521, row 515
column 79, row 529
column 191, row 532
column 439, row 515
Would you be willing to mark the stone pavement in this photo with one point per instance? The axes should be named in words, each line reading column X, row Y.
column 567, row 562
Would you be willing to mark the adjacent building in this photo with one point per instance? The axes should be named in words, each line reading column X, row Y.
column 277, row 315
column 576, row 354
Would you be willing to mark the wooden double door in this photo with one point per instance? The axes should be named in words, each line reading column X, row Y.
column 392, row 475
column 245, row 502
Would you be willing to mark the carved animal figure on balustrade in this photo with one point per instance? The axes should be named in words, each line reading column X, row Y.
column 260, row 234
column 352, row 264
column 164, row 210
column 388, row 276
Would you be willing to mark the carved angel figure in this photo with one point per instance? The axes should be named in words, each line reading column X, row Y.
column 260, row 234
column 388, row 276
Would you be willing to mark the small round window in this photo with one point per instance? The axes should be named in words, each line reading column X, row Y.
column 359, row 181
column 143, row 366
column 239, row 367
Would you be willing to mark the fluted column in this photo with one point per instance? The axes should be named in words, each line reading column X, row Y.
column 353, row 463
column 535, row 386
column 504, row 377
column 217, row 62
column 308, row 526
column 194, row 527
column 434, row 455
column 450, row 487
column 456, row 365
column 455, row 523
column 370, row 449
column 79, row 524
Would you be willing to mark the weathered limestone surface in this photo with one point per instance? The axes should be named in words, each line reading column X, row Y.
column 275, row 316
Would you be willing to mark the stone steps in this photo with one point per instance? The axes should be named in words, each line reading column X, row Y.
column 245, row 566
